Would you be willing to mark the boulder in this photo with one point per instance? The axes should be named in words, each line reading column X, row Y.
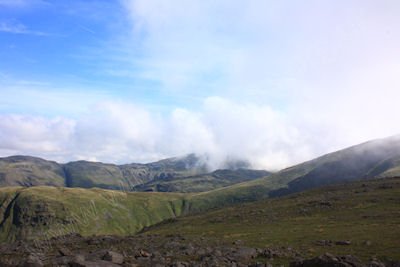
column 65, row 252
column 114, row 257
column 328, row 260
column 33, row 261
column 343, row 242
column 245, row 254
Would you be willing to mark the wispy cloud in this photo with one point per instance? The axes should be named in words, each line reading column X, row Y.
column 22, row 3
column 86, row 29
column 18, row 28
column 262, row 50
column 13, row 2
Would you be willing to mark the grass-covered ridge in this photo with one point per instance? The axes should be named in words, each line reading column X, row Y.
column 378, row 158
column 30, row 171
column 366, row 212
column 202, row 182
column 36, row 212
column 30, row 212
column 181, row 174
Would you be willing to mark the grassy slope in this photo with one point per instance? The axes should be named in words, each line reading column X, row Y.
column 361, row 211
column 203, row 182
column 182, row 175
column 87, row 174
column 30, row 171
column 53, row 204
column 39, row 211
column 378, row 158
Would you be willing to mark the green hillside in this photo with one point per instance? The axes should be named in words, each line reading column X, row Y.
column 378, row 158
column 309, row 223
column 27, row 212
column 86, row 174
column 30, row 171
column 365, row 212
column 202, row 182
column 36, row 212
column 181, row 174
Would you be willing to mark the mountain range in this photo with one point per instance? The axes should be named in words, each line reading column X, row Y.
column 180, row 174
column 69, row 196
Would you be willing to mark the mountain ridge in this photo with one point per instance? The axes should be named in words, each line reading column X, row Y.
column 28, row 171
column 41, row 208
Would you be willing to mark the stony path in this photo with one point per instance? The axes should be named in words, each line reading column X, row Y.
column 157, row 251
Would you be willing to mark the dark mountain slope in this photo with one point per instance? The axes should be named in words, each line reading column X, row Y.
column 124, row 177
column 44, row 212
column 202, row 182
column 180, row 174
column 87, row 174
column 377, row 158
column 30, row 171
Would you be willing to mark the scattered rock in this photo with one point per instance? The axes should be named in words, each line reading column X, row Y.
column 113, row 257
column 237, row 242
column 328, row 260
column 245, row 254
column 343, row 243
column 33, row 261
column 65, row 252
column 324, row 243
column 158, row 251
column 260, row 264
column 77, row 261
column 144, row 254
column 376, row 264
column 392, row 263
column 385, row 186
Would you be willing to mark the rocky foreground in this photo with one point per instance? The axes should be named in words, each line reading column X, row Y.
column 154, row 250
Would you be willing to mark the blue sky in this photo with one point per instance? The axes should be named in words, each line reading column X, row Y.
column 271, row 82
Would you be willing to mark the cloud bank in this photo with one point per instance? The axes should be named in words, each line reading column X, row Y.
column 121, row 132
column 272, row 82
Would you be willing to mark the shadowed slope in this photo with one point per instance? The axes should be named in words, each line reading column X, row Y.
column 39, row 212
column 377, row 158
column 30, row 171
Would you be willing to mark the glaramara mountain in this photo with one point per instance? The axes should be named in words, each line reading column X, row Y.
column 29, row 171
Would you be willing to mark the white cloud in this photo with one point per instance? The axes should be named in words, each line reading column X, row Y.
column 285, row 54
column 296, row 79
column 31, row 135
column 331, row 68
column 121, row 132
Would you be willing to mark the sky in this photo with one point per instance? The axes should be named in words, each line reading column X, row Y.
column 271, row 82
